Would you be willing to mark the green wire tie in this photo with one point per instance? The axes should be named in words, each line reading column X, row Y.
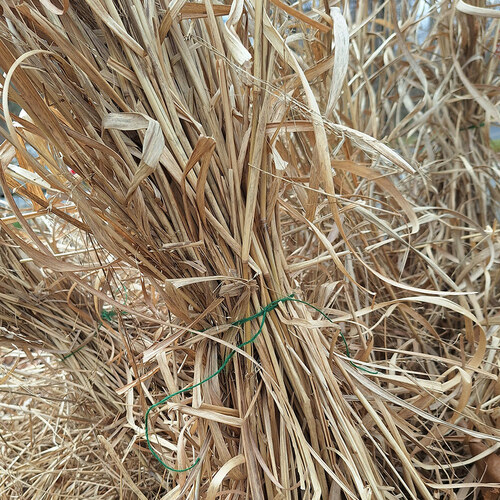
column 72, row 353
column 263, row 312
column 470, row 127
column 109, row 315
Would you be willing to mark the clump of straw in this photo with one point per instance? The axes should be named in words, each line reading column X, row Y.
column 195, row 165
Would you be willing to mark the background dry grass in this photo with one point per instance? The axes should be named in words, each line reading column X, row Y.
column 189, row 170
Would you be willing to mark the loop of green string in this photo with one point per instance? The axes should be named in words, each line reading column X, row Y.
column 263, row 312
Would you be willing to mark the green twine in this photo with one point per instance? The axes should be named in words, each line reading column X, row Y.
column 263, row 312
column 72, row 353
column 476, row 126
column 470, row 127
column 341, row 334
column 109, row 315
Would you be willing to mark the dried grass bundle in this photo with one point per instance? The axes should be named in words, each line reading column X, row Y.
column 191, row 170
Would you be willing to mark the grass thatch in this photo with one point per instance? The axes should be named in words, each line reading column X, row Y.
column 191, row 170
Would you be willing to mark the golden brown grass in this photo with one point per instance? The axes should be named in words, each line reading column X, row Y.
column 189, row 172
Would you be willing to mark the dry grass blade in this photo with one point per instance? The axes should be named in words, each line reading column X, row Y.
column 175, row 171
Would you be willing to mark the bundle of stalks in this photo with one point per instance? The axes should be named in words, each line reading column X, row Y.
column 192, row 173
column 49, row 406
